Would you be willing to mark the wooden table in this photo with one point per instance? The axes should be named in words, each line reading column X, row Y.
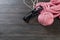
column 12, row 27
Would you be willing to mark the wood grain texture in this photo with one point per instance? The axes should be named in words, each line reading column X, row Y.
column 12, row 26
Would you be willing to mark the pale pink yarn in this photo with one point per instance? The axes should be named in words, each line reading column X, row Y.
column 46, row 18
column 55, row 1
column 49, row 13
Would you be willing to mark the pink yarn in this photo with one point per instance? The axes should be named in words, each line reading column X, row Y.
column 55, row 1
column 46, row 18
column 49, row 13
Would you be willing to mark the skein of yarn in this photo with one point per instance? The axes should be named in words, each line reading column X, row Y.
column 49, row 13
column 46, row 18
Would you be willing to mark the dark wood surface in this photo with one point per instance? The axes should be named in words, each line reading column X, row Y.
column 12, row 27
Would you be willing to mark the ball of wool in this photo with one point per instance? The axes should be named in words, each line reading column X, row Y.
column 46, row 18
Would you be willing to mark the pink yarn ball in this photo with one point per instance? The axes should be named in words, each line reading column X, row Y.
column 46, row 18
